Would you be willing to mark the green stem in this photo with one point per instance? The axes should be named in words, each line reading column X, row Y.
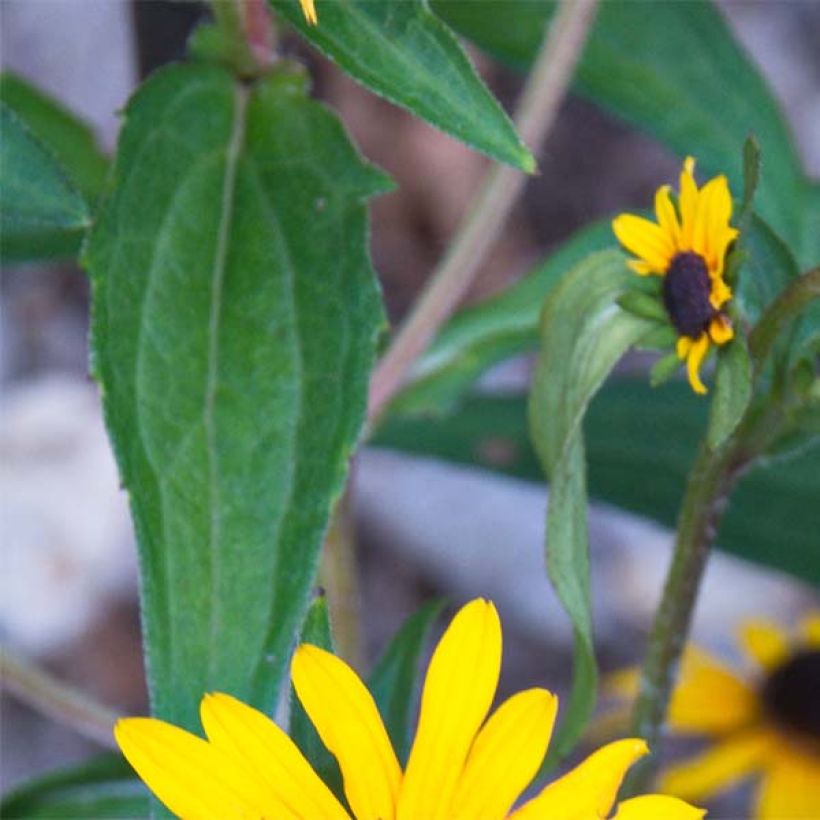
column 232, row 18
column 54, row 698
column 540, row 100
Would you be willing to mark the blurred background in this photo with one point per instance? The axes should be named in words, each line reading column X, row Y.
column 68, row 586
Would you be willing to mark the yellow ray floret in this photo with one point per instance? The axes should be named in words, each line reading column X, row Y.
column 309, row 10
column 462, row 763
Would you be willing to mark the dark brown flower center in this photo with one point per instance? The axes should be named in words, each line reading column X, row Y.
column 686, row 289
column 791, row 694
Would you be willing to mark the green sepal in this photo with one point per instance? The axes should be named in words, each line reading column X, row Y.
column 664, row 369
column 643, row 304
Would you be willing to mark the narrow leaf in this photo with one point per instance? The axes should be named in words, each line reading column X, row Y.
column 733, row 391
column 404, row 53
column 104, row 787
column 651, row 435
column 583, row 335
column 751, row 171
column 664, row 369
column 41, row 213
column 394, row 679
column 315, row 630
column 235, row 317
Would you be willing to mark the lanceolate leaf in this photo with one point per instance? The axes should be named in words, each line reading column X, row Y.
column 652, row 435
column 583, row 335
column 235, row 316
column 104, row 787
column 675, row 70
column 732, row 393
column 394, row 678
column 403, row 52
column 70, row 139
column 41, row 213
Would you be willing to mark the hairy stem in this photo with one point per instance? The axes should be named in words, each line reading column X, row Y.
column 541, row 98
column 57, row 700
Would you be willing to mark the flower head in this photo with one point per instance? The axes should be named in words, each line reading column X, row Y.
column 687, row 247
column 764, row 724
column 462, row 763
column 309, row 10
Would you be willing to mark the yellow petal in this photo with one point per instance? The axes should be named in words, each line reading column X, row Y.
column 810, row 630
column 457, row 694
column 309, row 10
column 790, row 789
column 764, row 642
column 709, row 698
column 666, row 215
column 688, row 201
column 348, row 722
column 711, row 232
column 655, row 807
column 694, row 359
column 590, row 789
column 642, row 268
column 192, row 778
column 260, row 746
column 645, row 240
column 720, row 330
column 717, row 768
column 622, row 684
column 719, row 293
column 683, row 346
column 505, row 756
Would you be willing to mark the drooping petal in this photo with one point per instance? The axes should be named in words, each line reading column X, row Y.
column 348, row 722
column 764, row 643
column 666, row 215
column 655, row 807
column 644, row 239
column 505, row 756
column 590, row 789
column 458, row 690
column 719, row 293
column 709, row 697
column 721, row 330
column 683, row 346
column 259, row 745
column 309, row 10
column 790, row 788
column 694, row 359
column 192, row 778
column 718, row 767
column 688, row 201
column 810, row 630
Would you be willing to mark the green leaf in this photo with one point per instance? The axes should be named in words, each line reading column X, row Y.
column 70, row 139
column 643, row 304
column 733, row 391
column 676, row 71
column 404, row 53
column 494, row 330
column 664, row 369
column 751, row 172
column 104, row 787
column 650, row 435
column 315, row 630
column 393, row 681
column 583, row 335
column 41, row 213
column 235, row 318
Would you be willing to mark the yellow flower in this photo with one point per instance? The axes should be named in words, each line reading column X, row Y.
column 765, row 724
column 309, row 10
column 462, row 764
column 687, row 247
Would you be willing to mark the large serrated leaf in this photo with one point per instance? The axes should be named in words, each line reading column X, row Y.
column 104, row 788
column 235, row 316
column 675, row 70
column 404, row 53
column 583, row 335
column 41, row 213
column 394, row 677
column 651, row 435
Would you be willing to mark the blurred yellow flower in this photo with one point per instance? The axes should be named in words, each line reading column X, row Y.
column 687, row 247
column 309, row 10
column 462, row 764
column 764, row 724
